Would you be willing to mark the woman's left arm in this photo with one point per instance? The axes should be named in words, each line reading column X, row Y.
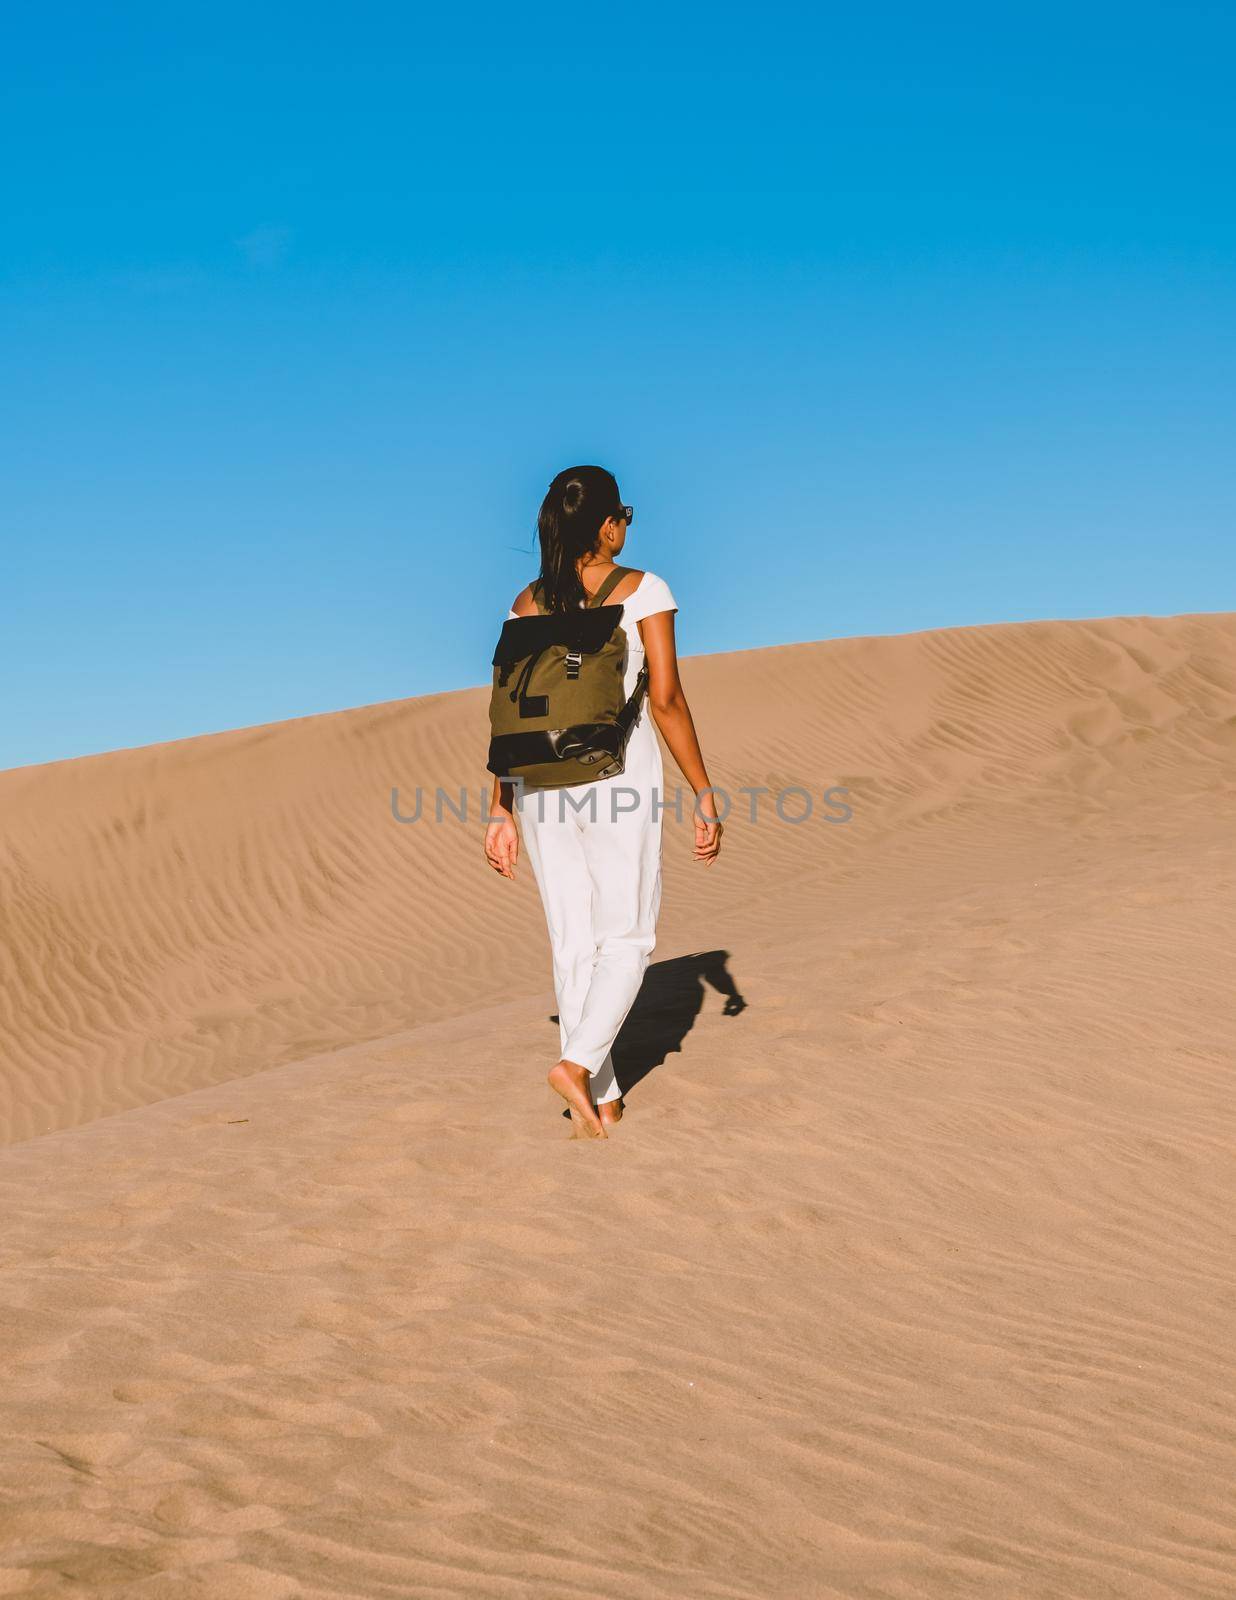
column 672, row 715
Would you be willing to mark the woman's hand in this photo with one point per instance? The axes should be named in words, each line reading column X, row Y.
column 502, row 846
column 708, row 829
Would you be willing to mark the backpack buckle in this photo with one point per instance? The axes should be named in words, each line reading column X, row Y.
column 574, row 660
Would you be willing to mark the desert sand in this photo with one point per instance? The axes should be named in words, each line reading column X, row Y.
column 909, row 1272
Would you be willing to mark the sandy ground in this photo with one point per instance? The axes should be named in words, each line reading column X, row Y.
column 909, row 1272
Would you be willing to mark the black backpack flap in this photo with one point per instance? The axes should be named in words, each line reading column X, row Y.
column 586, row 630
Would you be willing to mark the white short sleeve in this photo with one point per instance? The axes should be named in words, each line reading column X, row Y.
column 650, row 597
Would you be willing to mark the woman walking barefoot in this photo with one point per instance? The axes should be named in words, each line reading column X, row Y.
column 595, row 847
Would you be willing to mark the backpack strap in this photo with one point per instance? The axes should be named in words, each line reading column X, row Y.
column 608, row 587
column 598, row 599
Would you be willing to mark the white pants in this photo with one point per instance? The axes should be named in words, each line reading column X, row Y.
column 599, row 872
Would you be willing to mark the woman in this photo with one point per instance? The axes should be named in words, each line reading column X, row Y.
column 595, row 847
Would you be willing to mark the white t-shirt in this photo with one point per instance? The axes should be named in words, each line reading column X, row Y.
column 650, row 596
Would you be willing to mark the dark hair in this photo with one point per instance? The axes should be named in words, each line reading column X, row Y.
column 579, row 502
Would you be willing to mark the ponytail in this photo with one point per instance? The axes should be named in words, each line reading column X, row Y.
column 579, row 502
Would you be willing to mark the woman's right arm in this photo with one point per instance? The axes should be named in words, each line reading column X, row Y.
column 501, row 834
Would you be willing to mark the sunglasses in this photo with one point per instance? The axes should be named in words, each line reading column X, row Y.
column 624, row 514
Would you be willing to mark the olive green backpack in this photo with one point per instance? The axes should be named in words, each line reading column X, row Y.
column 559, row 714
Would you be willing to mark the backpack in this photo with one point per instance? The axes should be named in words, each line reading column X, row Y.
column 559, row 714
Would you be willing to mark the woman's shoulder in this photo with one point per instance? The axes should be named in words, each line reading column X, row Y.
column 523, row 604
column 649, row 595
column 628, row 584
column 641, row 593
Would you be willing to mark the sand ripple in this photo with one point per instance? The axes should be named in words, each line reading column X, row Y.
column 911, row 1277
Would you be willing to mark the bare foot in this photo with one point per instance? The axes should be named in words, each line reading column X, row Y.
column 610, row 1112
column 571, row 1082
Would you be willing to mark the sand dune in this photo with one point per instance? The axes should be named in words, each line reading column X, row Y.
column 909, row 1272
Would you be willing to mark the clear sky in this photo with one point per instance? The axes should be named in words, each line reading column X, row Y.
column 887, row 317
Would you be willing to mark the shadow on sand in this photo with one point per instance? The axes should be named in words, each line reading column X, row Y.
column 670, row 999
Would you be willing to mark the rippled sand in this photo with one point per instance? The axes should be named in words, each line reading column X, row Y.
column 909, row 1272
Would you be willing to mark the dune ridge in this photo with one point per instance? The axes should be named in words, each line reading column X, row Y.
column 908, row 1273
column 190, row 912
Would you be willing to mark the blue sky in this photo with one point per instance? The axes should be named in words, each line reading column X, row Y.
column 887, row 318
